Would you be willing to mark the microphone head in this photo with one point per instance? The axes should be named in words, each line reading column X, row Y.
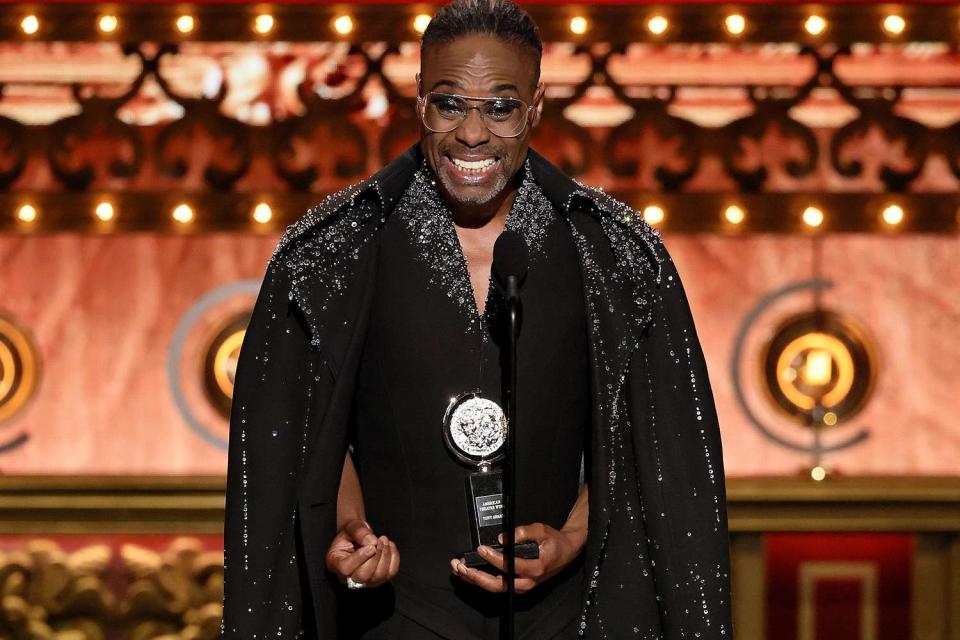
column 510, row 257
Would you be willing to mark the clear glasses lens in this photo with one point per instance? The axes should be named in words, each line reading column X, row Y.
column 504, row 117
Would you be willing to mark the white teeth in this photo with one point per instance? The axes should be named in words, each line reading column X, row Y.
column 478, row 165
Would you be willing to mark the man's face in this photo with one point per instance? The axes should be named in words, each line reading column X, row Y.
column 481, row 66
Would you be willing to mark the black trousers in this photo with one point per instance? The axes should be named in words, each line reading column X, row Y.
column 404, row 609
column 400, row 627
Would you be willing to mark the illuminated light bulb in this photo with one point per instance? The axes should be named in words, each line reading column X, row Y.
column 813, row 217
column 30, row 25
column 108, row 23
column 815, row 25
column 343, row 25
column 263, row 23
column 892, row 214
column 830, row 418
column 27, row 213
column 185, row 24
column 578, row 25
column 657, row 25
column 421, row 22
column 894, row 24
column 104, row 211
column 818, row 473
column 183, row 214
column 735, row 24
column 818, row 369
column 653, row 214
column 262, row 213
column 734, row 214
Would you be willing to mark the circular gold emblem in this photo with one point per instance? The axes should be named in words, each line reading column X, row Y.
column 220, row 361
column 819, row 366
column 19, row 368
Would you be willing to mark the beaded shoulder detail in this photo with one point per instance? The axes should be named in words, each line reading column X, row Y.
column 325, row 209
column 320, row 251
column 624, row 224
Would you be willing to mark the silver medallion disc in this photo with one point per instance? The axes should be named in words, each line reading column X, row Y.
column 475, row 428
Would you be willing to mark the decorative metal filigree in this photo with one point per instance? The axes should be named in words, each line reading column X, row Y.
column 49, row 594
column 333, row 136
column 174, row 595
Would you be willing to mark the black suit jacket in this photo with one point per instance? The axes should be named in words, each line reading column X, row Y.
column 657, row 552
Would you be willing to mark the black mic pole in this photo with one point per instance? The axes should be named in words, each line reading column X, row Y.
column 510, row 268
column 513, row 303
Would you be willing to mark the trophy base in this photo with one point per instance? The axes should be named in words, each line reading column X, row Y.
column 524, row 550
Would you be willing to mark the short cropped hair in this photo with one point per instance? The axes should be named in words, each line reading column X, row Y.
column 500, row 18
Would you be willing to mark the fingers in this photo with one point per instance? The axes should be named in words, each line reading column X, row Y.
column 356, row 553
column 488, row 582
column 344, row 563
column 476, row 577
column 360, row 533
column 522, row 568
column 383, row 564
column 380, row 568
column 522, row 585
column 536, row 532
column 394, row 561
column 364, row 573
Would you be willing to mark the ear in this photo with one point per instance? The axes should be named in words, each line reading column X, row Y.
column 538, row 104
column 416, row 103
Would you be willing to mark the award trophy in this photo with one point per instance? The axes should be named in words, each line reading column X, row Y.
column 475, row 431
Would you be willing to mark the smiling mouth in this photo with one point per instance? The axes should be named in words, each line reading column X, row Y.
column 472, row 171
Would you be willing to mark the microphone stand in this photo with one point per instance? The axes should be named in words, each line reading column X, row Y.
column 510, row 486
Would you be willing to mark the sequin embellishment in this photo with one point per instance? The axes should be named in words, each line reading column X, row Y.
column 430, row 224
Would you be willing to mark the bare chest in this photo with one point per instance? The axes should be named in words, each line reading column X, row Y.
column 477, row 246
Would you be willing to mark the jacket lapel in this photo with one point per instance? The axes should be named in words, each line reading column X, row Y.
column 618, row 259
column 327, row 248
column 619, row 269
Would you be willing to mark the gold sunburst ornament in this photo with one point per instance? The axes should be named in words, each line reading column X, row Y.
column 19, row 368
column 819, row 367
column 220, row 361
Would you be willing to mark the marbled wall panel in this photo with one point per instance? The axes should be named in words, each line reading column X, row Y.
column 905, row 290
column 103, row 311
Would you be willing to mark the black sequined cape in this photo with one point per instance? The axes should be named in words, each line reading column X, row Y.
column 657, row 552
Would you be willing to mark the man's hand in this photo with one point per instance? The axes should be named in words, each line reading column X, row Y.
column 557, row 550
column 358, row 554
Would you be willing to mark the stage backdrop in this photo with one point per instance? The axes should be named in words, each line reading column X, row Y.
column 122, row 324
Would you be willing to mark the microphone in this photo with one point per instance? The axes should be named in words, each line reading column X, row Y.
column 510, row 262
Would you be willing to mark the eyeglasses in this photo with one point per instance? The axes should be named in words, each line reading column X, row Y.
column 504, row 117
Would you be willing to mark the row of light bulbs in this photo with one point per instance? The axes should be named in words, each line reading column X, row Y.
column 182, row 213
column 813, row 217
column 735, row 24
column 262, row 24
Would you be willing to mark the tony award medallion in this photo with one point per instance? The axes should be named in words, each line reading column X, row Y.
column 475, row 431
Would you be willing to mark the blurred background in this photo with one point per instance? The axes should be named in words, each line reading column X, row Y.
column 801, row 160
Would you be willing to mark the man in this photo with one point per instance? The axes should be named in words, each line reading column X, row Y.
column 377, row 309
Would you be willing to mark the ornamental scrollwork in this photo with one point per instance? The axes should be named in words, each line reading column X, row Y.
column 47, row 593
column 348, row 113
column 175, row 594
